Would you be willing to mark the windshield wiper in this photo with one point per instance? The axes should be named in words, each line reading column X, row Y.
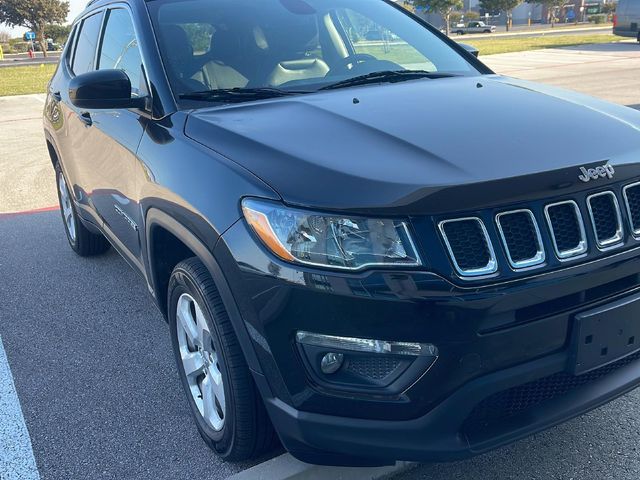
column 237, row 95
column 389, row 76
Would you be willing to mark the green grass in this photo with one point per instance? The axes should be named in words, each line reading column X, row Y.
column 490, row 46
column 402, row 54
column 25, row 79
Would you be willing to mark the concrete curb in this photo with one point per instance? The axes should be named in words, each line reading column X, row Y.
column 285, row 467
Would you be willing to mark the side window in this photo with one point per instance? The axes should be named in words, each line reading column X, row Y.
column 199, row 35
column 119, row 49
column 83, row 59
column 370, row 38
column 70, row 45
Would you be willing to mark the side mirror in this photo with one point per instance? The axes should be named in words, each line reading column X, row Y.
column 103, row 89
column 472, row 50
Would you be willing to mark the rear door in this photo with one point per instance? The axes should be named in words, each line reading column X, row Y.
column 623, row 10
column 633, row 15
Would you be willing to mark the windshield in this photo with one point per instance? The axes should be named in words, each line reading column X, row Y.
column 291, row 45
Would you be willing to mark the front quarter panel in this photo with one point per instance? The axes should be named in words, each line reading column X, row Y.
column 199, row 188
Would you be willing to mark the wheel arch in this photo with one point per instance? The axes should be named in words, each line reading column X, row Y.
column 54, row 156
column 182, row 244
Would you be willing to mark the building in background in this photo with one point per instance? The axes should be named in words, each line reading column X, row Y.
column 573, row 11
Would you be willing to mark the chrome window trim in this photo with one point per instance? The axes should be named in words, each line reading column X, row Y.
column 616, row 240
column 634, row 232
column 538, row 258
column 489, row 268
column 572, row 253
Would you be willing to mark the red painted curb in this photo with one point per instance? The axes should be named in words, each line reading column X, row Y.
column 29, row 212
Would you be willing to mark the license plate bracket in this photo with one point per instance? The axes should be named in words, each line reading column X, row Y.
column 605, row 334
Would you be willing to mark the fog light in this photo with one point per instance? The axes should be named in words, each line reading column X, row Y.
column 331, row 362
column 363, row 365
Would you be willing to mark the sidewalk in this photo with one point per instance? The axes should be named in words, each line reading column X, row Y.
column 27, row 179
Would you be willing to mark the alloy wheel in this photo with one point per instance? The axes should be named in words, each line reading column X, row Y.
column 67, row 209
column 200, row 361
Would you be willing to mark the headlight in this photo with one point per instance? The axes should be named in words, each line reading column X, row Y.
column 330, row 241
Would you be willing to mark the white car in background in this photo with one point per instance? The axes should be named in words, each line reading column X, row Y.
column 473, row 27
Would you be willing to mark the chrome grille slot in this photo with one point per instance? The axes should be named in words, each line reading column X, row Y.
column 605, row 218
column 521, row 238
column 469, row 246
column 567, row 229
column 632, row 202
column 583, row 226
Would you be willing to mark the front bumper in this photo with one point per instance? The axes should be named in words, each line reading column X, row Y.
column 440, row 434
column 492, row 340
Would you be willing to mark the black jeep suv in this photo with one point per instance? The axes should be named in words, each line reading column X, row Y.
column 337, row 263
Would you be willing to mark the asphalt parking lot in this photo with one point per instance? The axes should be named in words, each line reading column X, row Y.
column 92, row 363
column 90, row 354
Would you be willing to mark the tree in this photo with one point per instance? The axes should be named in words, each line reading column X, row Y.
column 552, row 7
column 4, row 36
column 34, row 15
column 59, row 33
column 443, row 7
column 609, row 8
column 506, row 6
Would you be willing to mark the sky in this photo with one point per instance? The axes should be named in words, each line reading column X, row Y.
column 75, row 7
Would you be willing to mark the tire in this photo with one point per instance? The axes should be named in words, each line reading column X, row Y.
column 235, row 425
column 83, row 241
column 460, row 32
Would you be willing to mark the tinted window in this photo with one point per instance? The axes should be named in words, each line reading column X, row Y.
column 86, row 44
column 120, row 50
column 199, row 35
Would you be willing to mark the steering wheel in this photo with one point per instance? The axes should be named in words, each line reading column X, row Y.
column 353, row 60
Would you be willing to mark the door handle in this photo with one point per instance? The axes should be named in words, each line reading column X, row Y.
column 85, row 117
column 56, row 96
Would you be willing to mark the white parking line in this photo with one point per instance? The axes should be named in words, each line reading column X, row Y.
column 16, row 454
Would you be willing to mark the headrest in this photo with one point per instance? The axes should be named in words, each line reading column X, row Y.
column 227, row 45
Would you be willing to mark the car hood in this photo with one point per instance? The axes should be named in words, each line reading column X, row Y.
column 424, row 146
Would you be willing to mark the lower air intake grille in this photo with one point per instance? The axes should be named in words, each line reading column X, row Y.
column 632, row 198
column 605, row 217
column 469, row 246
column 567, row 229
column 521, row 238
column 509, row 403
column 375, row 367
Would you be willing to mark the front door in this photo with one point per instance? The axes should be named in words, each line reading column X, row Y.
column 111, row 139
